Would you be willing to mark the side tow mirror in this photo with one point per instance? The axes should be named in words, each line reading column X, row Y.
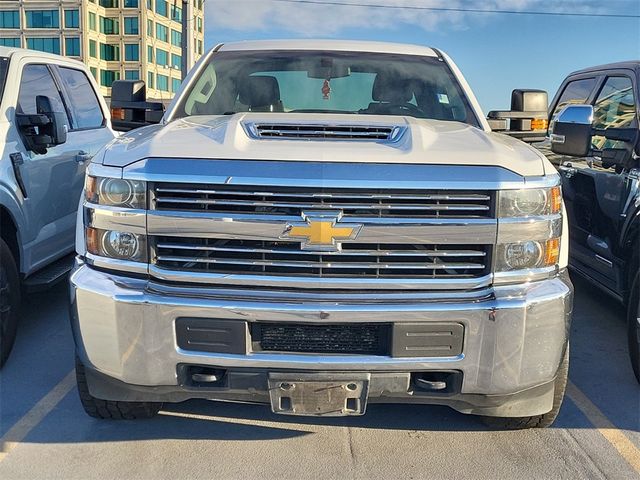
column 44, row 129
column 571, row 131
column 130, row 108
column 527, row 119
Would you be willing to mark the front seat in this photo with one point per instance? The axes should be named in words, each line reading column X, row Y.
column 260, row 94
column 389, row 90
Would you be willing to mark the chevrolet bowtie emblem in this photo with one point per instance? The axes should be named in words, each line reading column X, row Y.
column 321, row 231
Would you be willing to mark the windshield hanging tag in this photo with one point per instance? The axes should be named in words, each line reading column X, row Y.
column 326, row 90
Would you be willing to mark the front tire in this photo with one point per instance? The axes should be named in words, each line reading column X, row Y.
column 9, row 301
column 108, row 409
column 633, row 322
column 537, row 421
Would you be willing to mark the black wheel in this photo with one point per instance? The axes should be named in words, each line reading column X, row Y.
column 9, row 301
column 113, row 410
column 633, row 320
column 537, row 421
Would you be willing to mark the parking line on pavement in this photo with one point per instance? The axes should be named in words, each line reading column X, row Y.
column 613, row 435
column 33, row 417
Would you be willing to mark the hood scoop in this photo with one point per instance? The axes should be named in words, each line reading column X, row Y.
column 319, row 131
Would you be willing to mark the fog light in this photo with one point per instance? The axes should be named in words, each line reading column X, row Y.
column 120, row 244
column 522, row 255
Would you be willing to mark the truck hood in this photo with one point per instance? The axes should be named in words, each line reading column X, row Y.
column 428, row 142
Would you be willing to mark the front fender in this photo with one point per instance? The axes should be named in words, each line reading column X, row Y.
column 14, row 206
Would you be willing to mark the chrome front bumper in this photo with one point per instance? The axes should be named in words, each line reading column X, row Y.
column 514, row 338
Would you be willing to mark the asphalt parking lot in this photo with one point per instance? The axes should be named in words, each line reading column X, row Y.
column 44, row 432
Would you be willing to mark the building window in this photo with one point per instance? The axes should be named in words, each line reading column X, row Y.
column 94, row 72
column 110, row 53
column 149, row 54
column 176, row 13
column 175, row 84
column 163, row 83
column 200, row 47
column 150, row 28
column 131, row 26
column 150, row 80
column 161, row 7
column 92, row 21
column 71, row 19
column 93, row 49
column 200, row 24
column 130, row 3
column 51, row 45
column 131, row 52
column 107, row 77
column 176, row 38
column 162, row 32
column 43, row 19
column 176, row 61
column 109, row 26
column 162, row 57
column 10, row 19
column 150, row 5
column 10, row 42
column 110, row 3
column 72, row 47
column 132, row 75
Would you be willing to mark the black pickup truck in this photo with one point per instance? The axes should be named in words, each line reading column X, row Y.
column 594, row 141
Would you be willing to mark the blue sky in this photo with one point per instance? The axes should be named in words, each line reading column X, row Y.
column 496, row 52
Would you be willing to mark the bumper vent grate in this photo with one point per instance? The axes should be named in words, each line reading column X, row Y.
column 361, row 339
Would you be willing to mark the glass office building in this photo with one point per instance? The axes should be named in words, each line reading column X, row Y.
column 117, row 39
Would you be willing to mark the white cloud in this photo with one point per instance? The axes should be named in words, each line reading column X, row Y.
column 304, row 19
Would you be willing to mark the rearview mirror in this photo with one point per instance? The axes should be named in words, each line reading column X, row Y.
column 130, row 108
column 571, row 131
column 43, row 129
column 527, row 119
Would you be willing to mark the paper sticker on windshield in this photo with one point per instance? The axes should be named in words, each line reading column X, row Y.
column 443, row 98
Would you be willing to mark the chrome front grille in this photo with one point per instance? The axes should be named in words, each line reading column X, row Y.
column 358, row 260
column 289, row 201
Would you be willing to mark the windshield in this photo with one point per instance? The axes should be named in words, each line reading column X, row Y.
column 327, row 82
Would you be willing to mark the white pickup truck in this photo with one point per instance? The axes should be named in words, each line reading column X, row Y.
column 52, row 121
column 317, row 225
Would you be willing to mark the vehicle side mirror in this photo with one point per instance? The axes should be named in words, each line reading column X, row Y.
column 130, row 108
column 571, row 131
column 527, row 119
column 44, row 129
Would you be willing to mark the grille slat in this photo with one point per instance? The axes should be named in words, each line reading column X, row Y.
column 289, row 201
column 256, row 257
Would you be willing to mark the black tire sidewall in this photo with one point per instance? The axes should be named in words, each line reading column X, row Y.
column 10, row 279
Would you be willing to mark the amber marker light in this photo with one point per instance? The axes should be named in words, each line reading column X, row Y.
column 555, row 198
column 552, row 252
column 539, row 124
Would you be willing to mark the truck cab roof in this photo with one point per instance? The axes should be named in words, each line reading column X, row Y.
column 629, row 65
column 330, row 45
column 15, row 53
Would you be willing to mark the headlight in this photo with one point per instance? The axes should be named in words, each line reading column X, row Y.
column 115, row 244
column 116, row 192
column 530, row 202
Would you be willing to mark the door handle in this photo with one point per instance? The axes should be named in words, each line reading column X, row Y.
column 83, row 156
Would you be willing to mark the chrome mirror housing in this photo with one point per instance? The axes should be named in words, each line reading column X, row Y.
column 571, row 131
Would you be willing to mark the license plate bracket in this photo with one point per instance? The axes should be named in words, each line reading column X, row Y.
column 331, row 395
